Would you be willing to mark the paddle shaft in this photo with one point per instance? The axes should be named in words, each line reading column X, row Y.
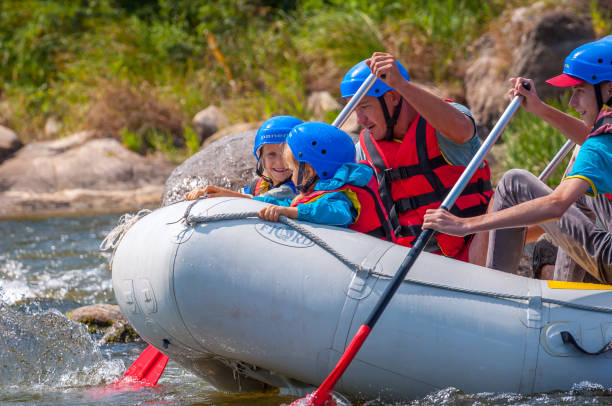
column 350, row 106
column 322, row 393
column 556, row 161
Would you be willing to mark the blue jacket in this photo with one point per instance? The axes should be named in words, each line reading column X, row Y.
column 335, row 208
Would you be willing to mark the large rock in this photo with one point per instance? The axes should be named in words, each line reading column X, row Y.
column 209, row 121
column 79, row 173
column 233, row 129
column 532, row 42
column 9, row 142
column 544, row 48
column 227, row 162
column 321, row 103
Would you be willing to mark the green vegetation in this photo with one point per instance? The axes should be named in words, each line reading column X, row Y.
column 532, row 143
column 140, row 69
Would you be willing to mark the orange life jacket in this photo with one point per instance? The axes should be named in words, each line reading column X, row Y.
column 414, row 176
column 372, row 218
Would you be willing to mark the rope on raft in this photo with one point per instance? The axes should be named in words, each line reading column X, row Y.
column 193, row 220
column 114, row 237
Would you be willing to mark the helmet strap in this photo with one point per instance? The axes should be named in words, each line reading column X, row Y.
column 391, row 121
column 598, row 97
column 304, row 188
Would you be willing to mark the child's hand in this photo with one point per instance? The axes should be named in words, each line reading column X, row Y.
column 212, row 191
column 272, row 212
column 194, row 194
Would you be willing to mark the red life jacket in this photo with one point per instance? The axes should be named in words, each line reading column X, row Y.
column 372, row 219
column 414, row 176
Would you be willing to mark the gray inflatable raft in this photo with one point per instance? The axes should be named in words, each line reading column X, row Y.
column 246, row 303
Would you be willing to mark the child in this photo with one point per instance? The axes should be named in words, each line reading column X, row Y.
column 274, row 176
column 333, row 188
column 521, row 200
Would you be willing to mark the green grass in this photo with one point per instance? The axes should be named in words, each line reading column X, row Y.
column 532, row 143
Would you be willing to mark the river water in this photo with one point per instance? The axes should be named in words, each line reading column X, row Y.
column 49, row 267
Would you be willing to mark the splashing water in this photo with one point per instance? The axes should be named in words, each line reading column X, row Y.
column 49, row 350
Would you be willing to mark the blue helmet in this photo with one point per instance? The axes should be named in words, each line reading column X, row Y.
column 359, row 73
column 591, row 63
column 323, row 146
column 274, row 131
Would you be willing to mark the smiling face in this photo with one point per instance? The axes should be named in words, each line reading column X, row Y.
column 584, row 102
column 273, row 163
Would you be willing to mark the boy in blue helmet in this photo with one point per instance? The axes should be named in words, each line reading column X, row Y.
column 419, row 146
column 580, row 225
column 334, row 190
column 274, row 178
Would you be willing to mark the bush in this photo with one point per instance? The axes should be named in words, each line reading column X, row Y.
column 532, row 143
column 136, row 116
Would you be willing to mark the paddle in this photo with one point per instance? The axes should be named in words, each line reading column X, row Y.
column 554, row 163
column 149, row 366
column 322, row 395
column 144, row 372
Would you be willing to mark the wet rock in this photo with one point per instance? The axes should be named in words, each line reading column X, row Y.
column 532, row 42
column 320, row 103
column 79, row 173
column 209, row 121
column 9, row 143
column 227, row 162
column 105, row 319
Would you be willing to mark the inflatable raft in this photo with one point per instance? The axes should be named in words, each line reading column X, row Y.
column 246, row 304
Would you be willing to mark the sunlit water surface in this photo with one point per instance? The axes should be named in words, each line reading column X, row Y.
column 49, row 267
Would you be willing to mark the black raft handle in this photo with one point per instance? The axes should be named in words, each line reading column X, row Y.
column 568, row 338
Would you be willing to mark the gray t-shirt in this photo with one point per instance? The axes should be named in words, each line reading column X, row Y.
column 456, row 153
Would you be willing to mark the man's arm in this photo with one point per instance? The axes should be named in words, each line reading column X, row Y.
column 450, row 122
column 571, row 127
column 537, row 211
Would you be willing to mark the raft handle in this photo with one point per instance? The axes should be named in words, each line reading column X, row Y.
column 568, row 338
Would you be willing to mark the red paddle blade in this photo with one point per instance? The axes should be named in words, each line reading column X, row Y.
column 147, row 369
column 322, row 396
column 315, row 399
column 144, row 372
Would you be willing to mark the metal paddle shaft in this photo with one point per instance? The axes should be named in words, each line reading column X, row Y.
column 350, row 106
column 322, row 394
column 554, row 163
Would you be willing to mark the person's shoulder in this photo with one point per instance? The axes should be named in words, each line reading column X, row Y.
column 460, row 107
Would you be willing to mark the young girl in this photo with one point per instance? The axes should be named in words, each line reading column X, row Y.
column 274, row 176
column 333, row 188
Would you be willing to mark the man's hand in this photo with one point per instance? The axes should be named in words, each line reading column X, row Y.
column 384, row 67
column 272, row 212
column 441, row 220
